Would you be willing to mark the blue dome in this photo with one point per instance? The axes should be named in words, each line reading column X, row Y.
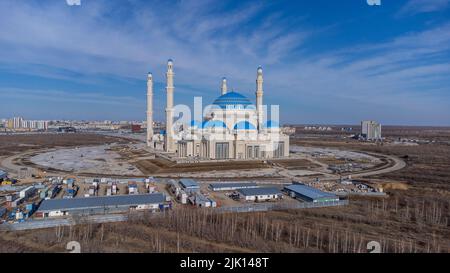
column 272, row 124
column 196, row 123
column 244, row 125
column 214, row 124
column 232, row 99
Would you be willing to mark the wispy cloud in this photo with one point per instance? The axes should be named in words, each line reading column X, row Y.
column 413, row 7
column 211, row 39
column 59, row 96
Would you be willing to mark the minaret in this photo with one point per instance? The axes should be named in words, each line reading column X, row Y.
column 259, row 96
column 224, row 86
column 149, row 109
column 170, row 145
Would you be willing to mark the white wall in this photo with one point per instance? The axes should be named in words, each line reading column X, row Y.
column 260, row 197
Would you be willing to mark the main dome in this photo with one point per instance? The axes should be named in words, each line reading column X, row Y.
column 232, row 99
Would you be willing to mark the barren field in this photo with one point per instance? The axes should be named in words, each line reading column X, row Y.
column 12, row 144
column 296, row 164
column 161, row 165
column 97, row 159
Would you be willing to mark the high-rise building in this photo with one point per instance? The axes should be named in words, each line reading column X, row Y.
column 371, row 130
column 17, row 122
column 20, row 123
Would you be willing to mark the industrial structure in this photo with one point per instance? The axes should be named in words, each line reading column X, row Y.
column 189, row 184
column 233, row 128
column 370, row 130
column 309, row 194
column 100, row 205
column 259, row 194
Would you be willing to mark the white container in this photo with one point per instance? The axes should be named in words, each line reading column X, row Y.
column 26, row 192
column 19, row 215
column 184, row 198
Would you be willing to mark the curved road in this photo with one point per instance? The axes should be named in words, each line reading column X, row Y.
column 398, row 165
column 8, row 164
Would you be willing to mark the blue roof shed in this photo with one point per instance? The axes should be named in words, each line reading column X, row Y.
column 100, row 202
column 310, row 194
column 189, row 184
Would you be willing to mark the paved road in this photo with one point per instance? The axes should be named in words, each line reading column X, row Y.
column 398, row 165
column 8, row 165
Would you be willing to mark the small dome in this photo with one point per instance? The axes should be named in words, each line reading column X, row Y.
column 244, row 125
column 213, row 124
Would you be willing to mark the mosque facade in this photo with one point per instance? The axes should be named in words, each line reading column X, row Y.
column 232, row 127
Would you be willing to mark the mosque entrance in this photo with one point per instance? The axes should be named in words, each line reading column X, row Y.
column 222, row 150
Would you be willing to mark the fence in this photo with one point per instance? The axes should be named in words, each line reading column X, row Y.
column 274, row 206
column 48, row 223
column 367, row 194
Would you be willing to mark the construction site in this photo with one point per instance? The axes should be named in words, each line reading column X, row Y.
column 50, row 187
column 127, row 167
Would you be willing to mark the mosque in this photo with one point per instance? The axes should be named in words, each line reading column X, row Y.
column 232, row 128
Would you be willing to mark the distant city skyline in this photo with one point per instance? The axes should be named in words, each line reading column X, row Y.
column 336, row 65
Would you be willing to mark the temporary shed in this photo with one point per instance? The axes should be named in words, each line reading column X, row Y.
column 259, row 194
column 189, row 184
column 101, row 204
column 310, row 194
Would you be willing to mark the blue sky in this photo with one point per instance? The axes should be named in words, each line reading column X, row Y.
column 334, row 62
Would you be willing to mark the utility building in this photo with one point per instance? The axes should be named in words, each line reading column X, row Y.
column 100, row 205
column 259, row 194
column 189, row 184
column 309, row 194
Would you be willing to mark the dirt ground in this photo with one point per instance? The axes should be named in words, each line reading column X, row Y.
column 12, row 144
column 296, row 164
column 161, row 165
